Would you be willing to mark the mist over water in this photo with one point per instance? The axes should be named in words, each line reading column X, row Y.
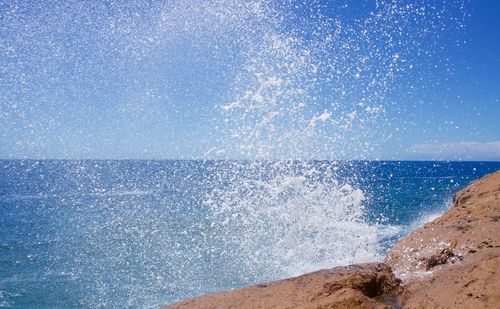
column 265, row 87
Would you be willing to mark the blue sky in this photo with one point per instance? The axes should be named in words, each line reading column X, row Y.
column 148, row 80
column 464, row 108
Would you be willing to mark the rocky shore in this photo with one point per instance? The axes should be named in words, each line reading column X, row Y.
column 451, row 262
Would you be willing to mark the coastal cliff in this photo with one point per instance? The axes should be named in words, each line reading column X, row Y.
column 451, row 262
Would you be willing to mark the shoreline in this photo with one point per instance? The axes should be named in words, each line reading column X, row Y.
column 451, row 261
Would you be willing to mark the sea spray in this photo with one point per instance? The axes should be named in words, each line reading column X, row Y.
column 309, row 85
column 284, row 218
column 270, row 84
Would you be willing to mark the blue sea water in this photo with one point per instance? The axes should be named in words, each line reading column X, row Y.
column 141, row 234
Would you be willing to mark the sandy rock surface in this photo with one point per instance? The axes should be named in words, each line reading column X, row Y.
column 454, row 261
column 356, row 286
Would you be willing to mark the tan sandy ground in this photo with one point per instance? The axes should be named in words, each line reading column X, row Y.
column 451, row 262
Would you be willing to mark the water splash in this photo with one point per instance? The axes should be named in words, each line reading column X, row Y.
column 287, row 218
column 311, row 85
column 314, row 85
column 271, row 82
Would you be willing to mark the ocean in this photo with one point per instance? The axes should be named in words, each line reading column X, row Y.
column 141, row 234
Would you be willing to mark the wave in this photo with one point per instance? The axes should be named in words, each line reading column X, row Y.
column 292, row 221
column 428, row 217
column 112, row 193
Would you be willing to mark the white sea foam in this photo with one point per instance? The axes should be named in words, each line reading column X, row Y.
column 292, row 222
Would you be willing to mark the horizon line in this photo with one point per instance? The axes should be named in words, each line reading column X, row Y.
column 245, row 160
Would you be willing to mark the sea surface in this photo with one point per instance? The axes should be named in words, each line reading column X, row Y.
column 141, row 234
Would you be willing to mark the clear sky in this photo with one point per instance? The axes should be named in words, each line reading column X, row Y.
column 248, row 79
